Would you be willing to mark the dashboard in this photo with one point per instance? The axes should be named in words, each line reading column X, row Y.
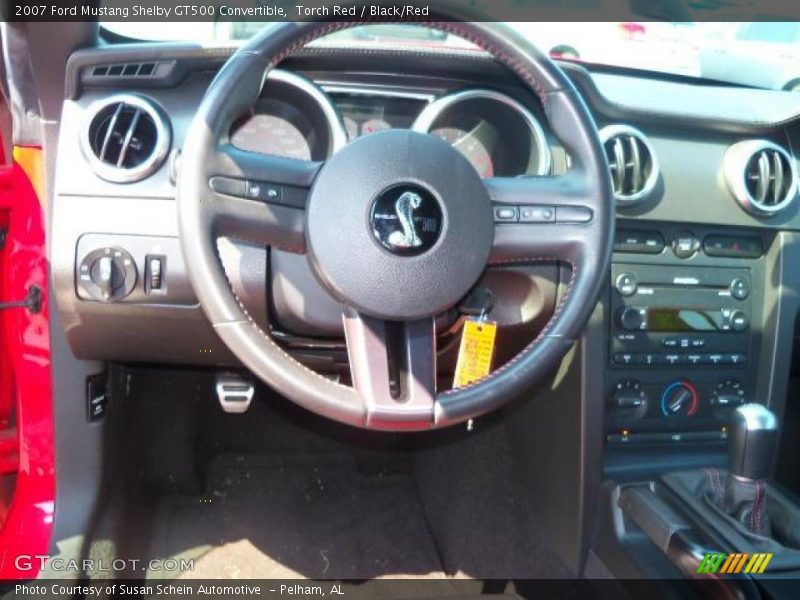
column 699, row 310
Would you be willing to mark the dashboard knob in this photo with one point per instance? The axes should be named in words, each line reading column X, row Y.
column 729, row 393
column 679, row 399
column 631, row 318
column 739, row 320
column 629, row 399
column 108, row 274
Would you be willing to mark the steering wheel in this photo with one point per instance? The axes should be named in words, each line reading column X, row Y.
column 398, row 227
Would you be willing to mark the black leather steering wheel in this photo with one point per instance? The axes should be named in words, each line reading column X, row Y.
column 392, row 283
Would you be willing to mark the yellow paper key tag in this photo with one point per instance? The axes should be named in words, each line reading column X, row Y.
column 476, row 351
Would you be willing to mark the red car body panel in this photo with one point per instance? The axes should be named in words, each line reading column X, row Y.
column 27, row 440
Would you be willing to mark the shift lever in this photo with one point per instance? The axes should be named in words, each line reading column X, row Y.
column 753, row 435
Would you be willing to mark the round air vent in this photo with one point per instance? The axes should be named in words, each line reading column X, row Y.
column 126, row 138
column 633, row 163
column 761, row 175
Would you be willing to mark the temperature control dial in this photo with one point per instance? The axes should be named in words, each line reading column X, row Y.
column 679, row 399
column 107, row 274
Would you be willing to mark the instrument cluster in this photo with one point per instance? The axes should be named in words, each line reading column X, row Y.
column 296, row 119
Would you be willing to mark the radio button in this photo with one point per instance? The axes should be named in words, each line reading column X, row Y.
column 626, row 284
column 734, row 359
column 632, row 318
column 694, row 359
column 625, row 358
column 739, row 320
column 740, row 288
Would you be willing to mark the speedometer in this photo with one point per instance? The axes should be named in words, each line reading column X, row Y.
column 272, row 134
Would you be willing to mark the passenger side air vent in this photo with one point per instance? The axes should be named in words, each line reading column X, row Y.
column 633, row 163
column 762, row 176
column 126, row 138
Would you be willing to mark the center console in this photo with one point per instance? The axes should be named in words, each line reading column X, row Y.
column 684, row 322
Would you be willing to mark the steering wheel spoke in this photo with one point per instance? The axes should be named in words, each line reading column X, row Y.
column 541, row 218
column 259, row 198
column 393, row 365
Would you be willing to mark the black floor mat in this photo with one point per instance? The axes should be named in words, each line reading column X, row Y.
column 300, row 516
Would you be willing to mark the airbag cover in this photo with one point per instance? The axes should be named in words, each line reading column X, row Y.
column 399, row 225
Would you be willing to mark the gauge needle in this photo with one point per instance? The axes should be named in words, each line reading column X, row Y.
column 483, row 132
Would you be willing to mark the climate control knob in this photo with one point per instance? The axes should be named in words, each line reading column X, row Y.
column 107, row 274
column 728, row 394
column 679, row 399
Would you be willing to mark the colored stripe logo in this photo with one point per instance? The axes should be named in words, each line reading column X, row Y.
column 718, row 562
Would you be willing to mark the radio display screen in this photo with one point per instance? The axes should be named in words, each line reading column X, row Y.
column 681, row 320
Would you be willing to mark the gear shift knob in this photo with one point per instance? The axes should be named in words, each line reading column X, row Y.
column 753, row 437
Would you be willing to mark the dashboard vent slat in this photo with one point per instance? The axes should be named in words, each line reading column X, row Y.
column 632, row 162
column 126, row 138
column 126, row 70
column 126, row 144
column 762, row 176
column 112, row 126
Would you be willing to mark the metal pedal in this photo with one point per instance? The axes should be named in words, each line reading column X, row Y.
column 234, row 392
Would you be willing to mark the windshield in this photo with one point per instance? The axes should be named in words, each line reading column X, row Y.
column 757, row 54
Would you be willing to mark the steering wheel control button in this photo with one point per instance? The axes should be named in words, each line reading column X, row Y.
column 679, row 399
column 537, row 214
column 627, row 284
column 506, row 214
column 228, row 186
column 406, row 220
column 573, row 214
column 106, row 274
column 685, row 244
column 740, row 288
column 399, row 225
column 259, row 190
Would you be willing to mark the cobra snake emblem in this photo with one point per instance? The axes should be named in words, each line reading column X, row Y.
column 405, row 207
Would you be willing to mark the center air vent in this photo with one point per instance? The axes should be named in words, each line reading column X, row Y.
column 126, row 138
column 633, row 163
column 762, row 176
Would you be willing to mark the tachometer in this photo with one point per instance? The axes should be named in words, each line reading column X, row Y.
column 470, row 146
